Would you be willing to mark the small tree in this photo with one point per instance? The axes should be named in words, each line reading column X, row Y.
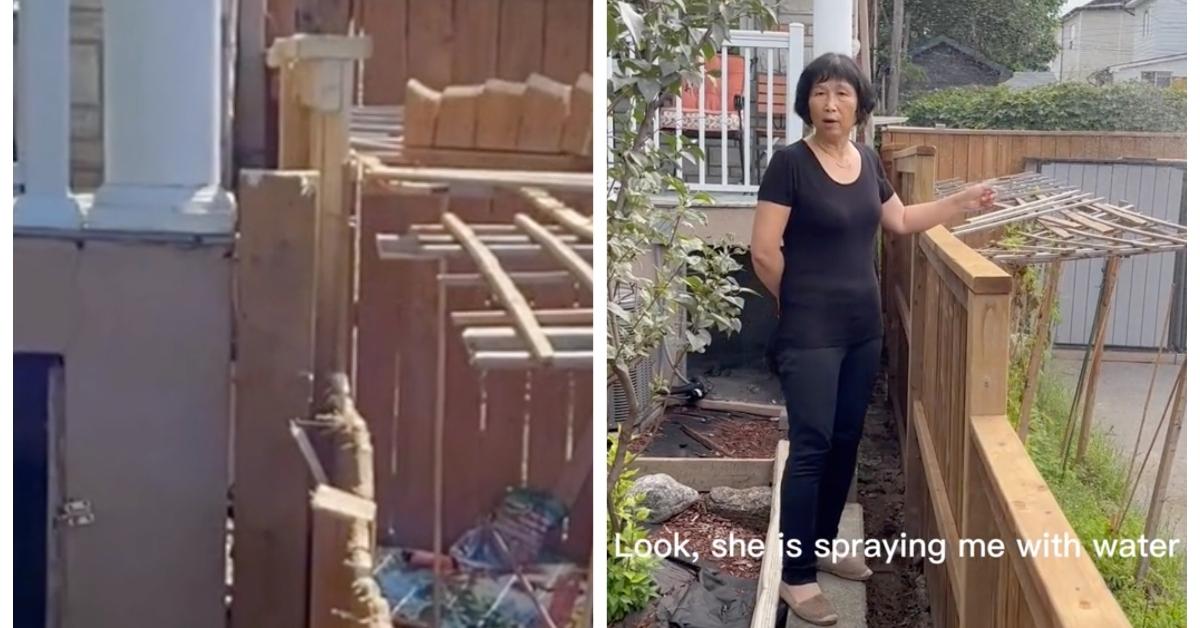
column 658, row 47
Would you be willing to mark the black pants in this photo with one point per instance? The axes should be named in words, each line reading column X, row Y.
column 827, row 392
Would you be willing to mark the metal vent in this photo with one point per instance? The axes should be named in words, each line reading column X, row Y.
column 641, row 374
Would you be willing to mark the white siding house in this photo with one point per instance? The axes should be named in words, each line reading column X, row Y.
column 1160, row 28
column 1093, row 37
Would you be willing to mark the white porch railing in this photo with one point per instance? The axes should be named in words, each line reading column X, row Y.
column 161, row 80
column 741, row 113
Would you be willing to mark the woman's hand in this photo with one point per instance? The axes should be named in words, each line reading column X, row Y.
column 978, row 196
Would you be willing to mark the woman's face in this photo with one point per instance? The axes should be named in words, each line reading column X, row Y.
column 833, row 107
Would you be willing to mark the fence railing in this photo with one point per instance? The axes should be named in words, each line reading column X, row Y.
column 740, row 113
column 973, row 154
column 967, row 474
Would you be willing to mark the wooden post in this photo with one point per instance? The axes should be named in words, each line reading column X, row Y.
column 1098, row 333
column 275, row 292
column 1165, row 462
column 342, row 550
column 1038, row 348
column 321, row 69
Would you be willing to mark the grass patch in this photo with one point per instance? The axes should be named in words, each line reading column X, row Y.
column 1089, row 495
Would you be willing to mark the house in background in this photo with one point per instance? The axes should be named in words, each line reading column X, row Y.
column 1107, row 41
column 1159, row 44
column 1023, row 80
column 1092, row 37
column 948, row 63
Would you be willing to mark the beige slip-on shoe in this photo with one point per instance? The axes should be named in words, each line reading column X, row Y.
column 850, row 568
column 815, row 610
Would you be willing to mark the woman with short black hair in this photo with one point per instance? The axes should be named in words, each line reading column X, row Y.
column 820, row 204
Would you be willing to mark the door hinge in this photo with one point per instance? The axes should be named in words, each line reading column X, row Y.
column 75, row 513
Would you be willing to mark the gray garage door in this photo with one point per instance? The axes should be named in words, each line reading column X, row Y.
column 1145, row 282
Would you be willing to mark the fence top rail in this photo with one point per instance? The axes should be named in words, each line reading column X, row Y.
column 979, row 274
column 950, row 131
column 1068, row 591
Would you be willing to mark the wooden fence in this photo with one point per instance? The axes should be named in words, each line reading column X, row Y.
column 967, row 474
column 459, row 42
column 981, row 154
column 314, row 298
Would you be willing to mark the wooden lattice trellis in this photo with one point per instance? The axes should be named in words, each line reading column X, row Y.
column 1048, row 221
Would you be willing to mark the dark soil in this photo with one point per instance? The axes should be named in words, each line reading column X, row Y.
column 896, row 594
column 701, row 528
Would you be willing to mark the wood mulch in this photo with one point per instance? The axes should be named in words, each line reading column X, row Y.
column 700, row 527
column 728, row 435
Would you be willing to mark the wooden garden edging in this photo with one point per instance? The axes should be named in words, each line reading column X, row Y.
column 967, row 475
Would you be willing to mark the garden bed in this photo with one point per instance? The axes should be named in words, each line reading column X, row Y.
column 702, row 527
column 688, row 431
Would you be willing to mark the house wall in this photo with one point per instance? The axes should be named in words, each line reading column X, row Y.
column 144, row 330
column 1160, row 28
column 1178, row 67
column 1103, row 38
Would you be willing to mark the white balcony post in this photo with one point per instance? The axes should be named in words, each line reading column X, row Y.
column 162, row 114
column 832, row 32
column 44, row 116
column 795, row 65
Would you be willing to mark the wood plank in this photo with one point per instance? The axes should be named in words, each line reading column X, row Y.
column 294, row 127
column 385, row 70
column 1099, row 334
column 338, row 520
column 543, row 114
column 378, row 348
column 566, row 52
column 578, row 181
column 504, row 288
column 577, row 131
column 421, row 113
column 761, row 409
column 555, row 210
column 275, row 285
column 476, row 33
column 486, row 159
column 705, row 474
column 976, row 272
column 940, row 495
column 415, row 401
column 578, row 545
column 499, row 115
column 766, row 600
column 1070, row 590
column 456, row 117
column 580, row 268
column 520, row 50
column 430, row 37
column 1038, row 349
column 328, row 152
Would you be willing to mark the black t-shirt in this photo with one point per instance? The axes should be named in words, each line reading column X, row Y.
column 829, row 295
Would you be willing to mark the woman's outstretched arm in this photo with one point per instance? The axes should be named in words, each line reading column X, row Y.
column 766, row 238
column 900, row 218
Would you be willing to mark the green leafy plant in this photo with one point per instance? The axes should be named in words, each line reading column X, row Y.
column 668, row 291
column 1059, row 107
column 1091, row 492
column 630, row 582
column 681, row 288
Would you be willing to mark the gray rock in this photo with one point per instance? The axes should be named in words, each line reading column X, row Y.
column 664, row 496
column 749, row 506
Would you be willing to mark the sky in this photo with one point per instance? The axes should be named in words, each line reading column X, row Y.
column 1071, row 4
